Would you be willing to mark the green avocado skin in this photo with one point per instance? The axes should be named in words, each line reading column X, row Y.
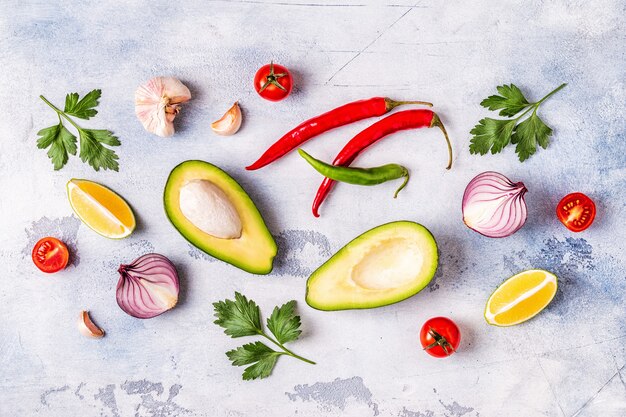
column 327, row 269
column 259, row 260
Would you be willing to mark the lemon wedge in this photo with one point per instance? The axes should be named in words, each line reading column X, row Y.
column 104, row 211
column 520, row 297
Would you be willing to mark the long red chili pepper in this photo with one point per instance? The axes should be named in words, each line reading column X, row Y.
column 408, row 119
column 348, row 113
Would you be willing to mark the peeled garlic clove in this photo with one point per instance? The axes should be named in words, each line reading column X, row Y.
column 86, row 327
column 157, row 103
column 230, row 122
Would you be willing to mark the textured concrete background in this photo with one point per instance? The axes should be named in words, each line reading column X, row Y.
column 568, row 361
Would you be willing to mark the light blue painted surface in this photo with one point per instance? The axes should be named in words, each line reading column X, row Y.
column 568, row 361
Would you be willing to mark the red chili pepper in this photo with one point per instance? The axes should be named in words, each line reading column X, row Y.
column 408, row 119
column 348, row 113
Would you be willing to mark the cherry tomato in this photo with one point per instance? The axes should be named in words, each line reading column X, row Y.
column 50, row 255
column 576, row 211
column 273, row 82
column 440, row 337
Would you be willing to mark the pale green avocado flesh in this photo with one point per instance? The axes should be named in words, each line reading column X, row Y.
column 253, row 251
column 384, row 265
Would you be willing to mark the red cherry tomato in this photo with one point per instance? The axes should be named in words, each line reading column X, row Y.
column 50, row 255
column 576, row 211
column 440, row 337
column 273, row 82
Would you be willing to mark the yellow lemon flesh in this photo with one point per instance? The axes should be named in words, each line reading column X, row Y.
column 101, row 209
column 520, row 297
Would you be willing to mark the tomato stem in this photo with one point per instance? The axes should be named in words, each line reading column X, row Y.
column 439, row 341
column 272, row 79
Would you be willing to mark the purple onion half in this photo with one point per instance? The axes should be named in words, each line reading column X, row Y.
column 493, row 205
column 148, row 286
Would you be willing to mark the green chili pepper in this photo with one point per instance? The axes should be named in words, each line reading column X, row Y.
column 359, row 176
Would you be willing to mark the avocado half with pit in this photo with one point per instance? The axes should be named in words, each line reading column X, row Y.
column 211, row 210
column 384, row 265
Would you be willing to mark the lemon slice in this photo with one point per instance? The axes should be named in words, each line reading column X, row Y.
column 520, row 297
column 101, row 209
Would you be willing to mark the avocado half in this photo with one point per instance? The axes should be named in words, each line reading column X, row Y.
column 384, row 265
column 253, row 251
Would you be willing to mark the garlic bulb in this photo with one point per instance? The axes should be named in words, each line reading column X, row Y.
column 230, row 122
column 157, row 103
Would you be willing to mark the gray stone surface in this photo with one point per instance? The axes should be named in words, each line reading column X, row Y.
column 568, row 361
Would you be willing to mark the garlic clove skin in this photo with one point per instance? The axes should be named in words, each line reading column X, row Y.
column 230, row 122
column 87, row 327
column 157, row 103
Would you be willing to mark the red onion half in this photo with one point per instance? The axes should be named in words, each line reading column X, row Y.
column 148, row 286
column 493, row 205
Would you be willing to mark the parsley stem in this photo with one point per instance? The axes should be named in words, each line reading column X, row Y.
column 535, row 106
column 286, row 351
column 550, row 94
column 60, row 113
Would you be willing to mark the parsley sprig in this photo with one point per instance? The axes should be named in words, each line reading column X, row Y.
column 494, row 134
column 242, row 317
column 62, row 143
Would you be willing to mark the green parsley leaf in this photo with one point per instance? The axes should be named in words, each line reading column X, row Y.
column 261, row 369
column 93, row 151
column 242, row 317
column 249, row 353
column 528, row 134
column 84, row 108
column 61, row 143
column 257, row 353
column 284, row 324
column 511, row 100
column 491, row 134
column 239, row 318
column 494, row 134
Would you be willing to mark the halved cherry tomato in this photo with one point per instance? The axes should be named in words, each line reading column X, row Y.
column 273, row 82
column 440, row 337
column 576, row 211
column 50, row 255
